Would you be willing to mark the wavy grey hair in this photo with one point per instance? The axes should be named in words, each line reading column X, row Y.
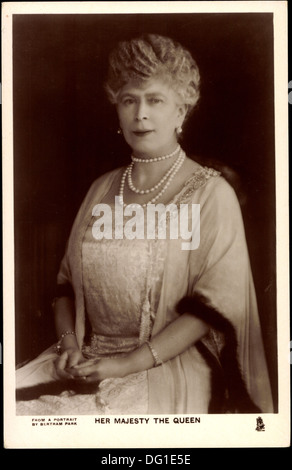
column 154, row 56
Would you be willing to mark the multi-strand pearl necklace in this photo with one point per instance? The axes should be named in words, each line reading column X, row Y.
column 155, row 187
column 155, row 159
column 170, row 175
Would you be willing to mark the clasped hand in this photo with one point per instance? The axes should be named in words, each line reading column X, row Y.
column 73, row 365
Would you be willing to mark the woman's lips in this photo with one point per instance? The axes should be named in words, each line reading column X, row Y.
column 142, row 133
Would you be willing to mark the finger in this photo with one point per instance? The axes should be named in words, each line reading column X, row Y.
column 82, row 379
column 85, row 363
column 91, row 378
column 84, row 368
column 62, row 360
column 83, row 371
column 64, row 375
column 73, row 359
column 60, row 365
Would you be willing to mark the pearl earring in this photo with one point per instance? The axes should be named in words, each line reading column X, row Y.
column 119, row 131
column 179, row 130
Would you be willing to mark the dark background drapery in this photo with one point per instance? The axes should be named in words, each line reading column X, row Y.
column 65, row 137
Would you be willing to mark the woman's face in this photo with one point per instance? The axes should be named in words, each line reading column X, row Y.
column 149, row 114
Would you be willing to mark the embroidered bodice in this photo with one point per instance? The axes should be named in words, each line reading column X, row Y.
column 122, row 280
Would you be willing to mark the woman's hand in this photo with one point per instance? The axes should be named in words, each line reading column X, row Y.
column 71, row 357
column 96, row 370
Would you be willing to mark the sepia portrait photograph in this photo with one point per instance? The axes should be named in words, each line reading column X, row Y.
column 145, row 174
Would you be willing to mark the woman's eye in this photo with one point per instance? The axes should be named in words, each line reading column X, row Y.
column 155, row 100
column 128, row 101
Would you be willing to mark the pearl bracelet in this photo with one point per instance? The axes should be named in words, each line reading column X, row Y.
column 157, row 360
column 58, row 345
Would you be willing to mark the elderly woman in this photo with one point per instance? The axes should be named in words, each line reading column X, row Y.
column 145, row 326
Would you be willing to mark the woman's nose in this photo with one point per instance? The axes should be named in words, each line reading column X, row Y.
column 141, row 111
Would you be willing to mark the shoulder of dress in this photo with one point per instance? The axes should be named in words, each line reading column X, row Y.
column 200, row 177
column 197, row 180
column 219, row 198
column 97, row 188
column 103, row 181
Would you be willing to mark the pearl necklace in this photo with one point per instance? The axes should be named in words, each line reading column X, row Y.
column 174, row 168
column 155, row 159
column 156, row 186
